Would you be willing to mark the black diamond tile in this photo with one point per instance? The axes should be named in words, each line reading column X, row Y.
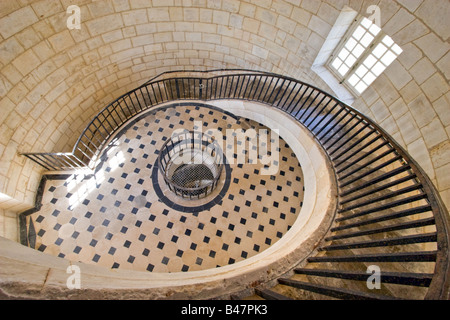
column 199, row 261
column 56, row 213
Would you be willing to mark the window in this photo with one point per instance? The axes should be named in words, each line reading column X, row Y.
column 363, row 55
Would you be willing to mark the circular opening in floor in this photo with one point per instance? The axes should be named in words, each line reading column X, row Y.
column 191, row 164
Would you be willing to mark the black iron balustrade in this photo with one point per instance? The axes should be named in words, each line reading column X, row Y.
column 378, row 182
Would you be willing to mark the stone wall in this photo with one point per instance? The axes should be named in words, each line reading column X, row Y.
column 53, row 80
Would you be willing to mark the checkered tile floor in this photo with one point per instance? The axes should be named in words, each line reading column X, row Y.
column 114, row 218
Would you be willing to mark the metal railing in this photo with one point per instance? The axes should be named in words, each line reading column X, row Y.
column 378, row 182
column 182, row 162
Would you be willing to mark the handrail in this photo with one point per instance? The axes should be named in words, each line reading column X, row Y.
column 339, row 128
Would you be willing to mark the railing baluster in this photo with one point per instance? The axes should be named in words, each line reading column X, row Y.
column 370, row 192
column 356, row 161
column 314, row 109
column 273, row 90
column 383, row 177
column 36, row 159
column 334, row 116
column 348, row 139
column 365, row 174
column 336, row 123
column 354, row 144
column 299, row 100
column 290, row 93
column 320, row 113
column 309, row 106
column 365, row 165
column 262, row 88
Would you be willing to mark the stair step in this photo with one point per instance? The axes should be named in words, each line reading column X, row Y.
column 421, row 238
column 369, row 172
column 365, row 165
column 387, row 196
column 424, row 256
column 372, row 182
column 400, row 226
column 379, row 208
column 271, row 295
column 339, row 293
column 411, row 279
column 379, row 189
column 395, row 215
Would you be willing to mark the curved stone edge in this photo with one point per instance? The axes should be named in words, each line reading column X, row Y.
column 28, row 274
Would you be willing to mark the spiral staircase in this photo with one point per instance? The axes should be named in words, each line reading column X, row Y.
column 389, row 213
